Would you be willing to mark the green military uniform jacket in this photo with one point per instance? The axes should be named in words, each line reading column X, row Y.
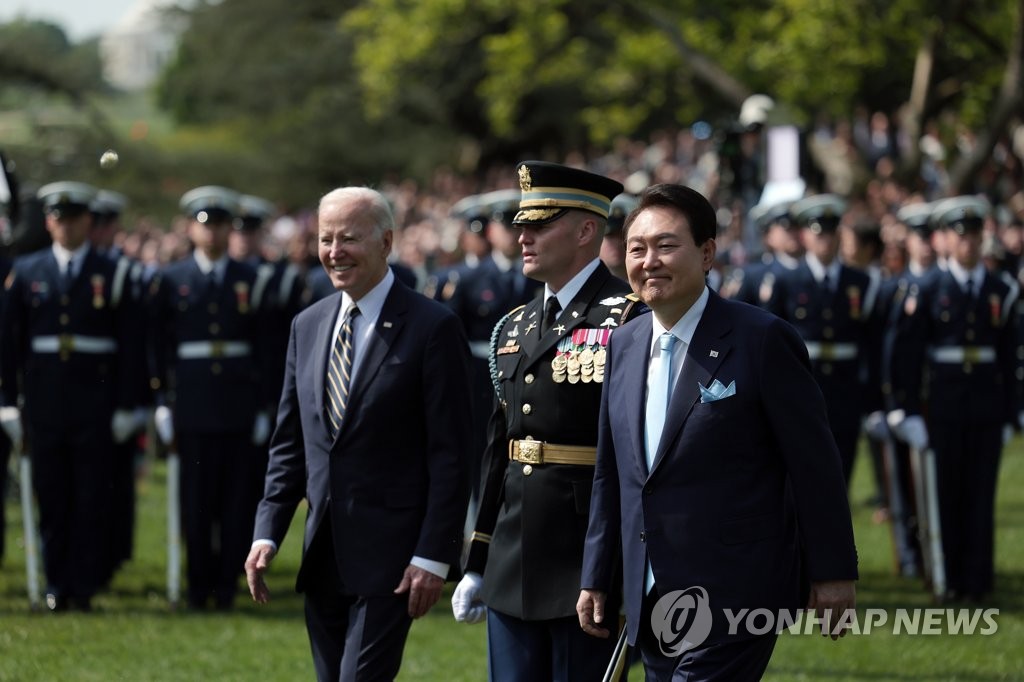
column 532, row 520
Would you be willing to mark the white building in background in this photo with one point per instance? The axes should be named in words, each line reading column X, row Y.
column 137, row 48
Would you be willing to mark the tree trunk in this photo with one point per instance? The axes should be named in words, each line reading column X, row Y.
column 1008, row 102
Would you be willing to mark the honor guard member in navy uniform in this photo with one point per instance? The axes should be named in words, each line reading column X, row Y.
column 613, row 248
column 547, row 361
column 208, row 364
column 900, row 490
column 962, row 337
column 831, row 305
column 70, row 348
column 106, row 209
column 754, row 282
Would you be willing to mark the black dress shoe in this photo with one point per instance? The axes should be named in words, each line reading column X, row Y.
column 83, row 604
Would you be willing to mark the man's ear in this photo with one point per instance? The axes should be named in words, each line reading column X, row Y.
column 708, row 250
column 587, row 230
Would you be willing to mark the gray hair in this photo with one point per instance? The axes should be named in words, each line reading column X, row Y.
column 378, row 210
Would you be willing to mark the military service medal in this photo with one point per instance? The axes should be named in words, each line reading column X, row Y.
column 995, row 307
column 853, row 293
column 242, row 294
column 97, row 291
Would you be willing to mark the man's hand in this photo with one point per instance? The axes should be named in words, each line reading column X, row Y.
column 590, row 609
column 260, row 429
column 10, row 422
column 163, row 420
column 122, row 425
column 466, row 604
column 256, row 564
column 834, row 602
column 424, row 589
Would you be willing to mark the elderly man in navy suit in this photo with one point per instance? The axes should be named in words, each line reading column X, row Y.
column 372, row 432
column 716, row 470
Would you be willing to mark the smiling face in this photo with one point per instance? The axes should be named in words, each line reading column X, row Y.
column 665, row 267
column 353, row 249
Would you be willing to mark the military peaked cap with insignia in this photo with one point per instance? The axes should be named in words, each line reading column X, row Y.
column 766, row 215
column 254, row 210
column 963, row 214
column 502, row 205
column 550, row 189
column 819, row 213
column 473, row 211
column 210, row 203
column 622, row 206
column 108, row 204
column 917, row 217
column 66, row 199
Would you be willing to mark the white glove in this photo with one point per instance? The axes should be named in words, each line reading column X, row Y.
column 122, row 425
column 1007, row 433
column 1020, row 419
column 466, row 604
column 875, row 426
column 909, row 429
column 260, row 429
column 163, row 419
column 10, row 422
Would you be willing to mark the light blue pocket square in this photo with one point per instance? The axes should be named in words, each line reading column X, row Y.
column 716, row 391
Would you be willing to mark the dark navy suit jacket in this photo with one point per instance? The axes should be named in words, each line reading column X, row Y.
column 394, row 479
column 746, row 497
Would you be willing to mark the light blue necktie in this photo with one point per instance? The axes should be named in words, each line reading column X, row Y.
column 659, row 389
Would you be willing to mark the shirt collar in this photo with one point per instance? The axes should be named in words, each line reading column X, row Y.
column 573, row 286
column 976, row 274
column 66, row 257
column 819, row 270
column 372, row 301
column 686, row 326
column 206, row 265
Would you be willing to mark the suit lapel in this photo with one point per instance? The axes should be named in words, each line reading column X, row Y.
column 323, row 340
column 637, row 357
column 704, row 355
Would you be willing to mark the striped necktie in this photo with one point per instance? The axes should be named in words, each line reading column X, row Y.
column 339, row 375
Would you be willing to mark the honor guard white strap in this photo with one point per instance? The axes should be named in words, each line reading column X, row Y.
column 874, row 284
column 263, row 275
column 291, row 274
column 1011, row 295
column 120, row 275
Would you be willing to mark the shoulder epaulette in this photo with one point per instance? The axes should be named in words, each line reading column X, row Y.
column 634, row 307
column 492, row 357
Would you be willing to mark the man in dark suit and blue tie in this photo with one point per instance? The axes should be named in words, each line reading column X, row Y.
column 372, row 432
column 716, row 471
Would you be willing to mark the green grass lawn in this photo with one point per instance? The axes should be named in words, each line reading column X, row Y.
column 132, row 635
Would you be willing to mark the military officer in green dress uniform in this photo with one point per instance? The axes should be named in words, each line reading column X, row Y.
column 547, row 361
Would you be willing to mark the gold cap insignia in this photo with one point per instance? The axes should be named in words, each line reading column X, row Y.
column 525, row 180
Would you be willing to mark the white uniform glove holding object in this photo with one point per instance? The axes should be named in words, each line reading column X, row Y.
column 909, row 429
column 466, row 604
column 10, row 422
column 875, row 426
column 1007, row 433
column 163, row 419
column 122, row 425
column 260, row 429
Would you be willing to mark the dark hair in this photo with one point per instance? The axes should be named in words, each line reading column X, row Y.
column 698, row 211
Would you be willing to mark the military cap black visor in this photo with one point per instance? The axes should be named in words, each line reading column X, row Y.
column 67, row 210
column 823, row 224
column 966, row 225
column 213, row 216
